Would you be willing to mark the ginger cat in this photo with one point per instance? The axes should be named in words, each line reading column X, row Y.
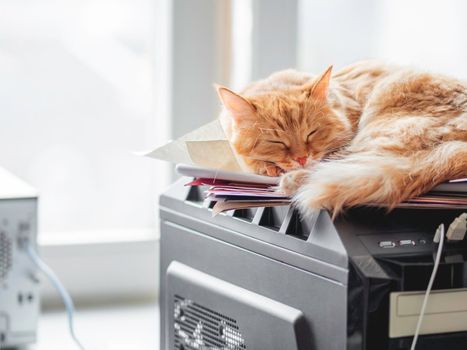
column 371, row 133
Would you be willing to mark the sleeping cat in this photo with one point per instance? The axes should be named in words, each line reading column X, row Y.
column 371, row 133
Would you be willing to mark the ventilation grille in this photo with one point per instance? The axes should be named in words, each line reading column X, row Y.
column 283, row 219
column 5, row 255
column 199, row 328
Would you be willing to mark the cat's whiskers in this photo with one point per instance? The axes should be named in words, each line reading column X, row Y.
column 215, row 175
column 259, row 159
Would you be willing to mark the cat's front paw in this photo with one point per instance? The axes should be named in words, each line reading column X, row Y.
column 268, row 169
column 290, row 182
column 272, row 170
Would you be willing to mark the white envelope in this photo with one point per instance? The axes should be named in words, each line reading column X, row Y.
column 205, row 147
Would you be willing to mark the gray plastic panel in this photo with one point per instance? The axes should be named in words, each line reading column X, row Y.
column 321, row 300
column 314, row 239
column 211, row 312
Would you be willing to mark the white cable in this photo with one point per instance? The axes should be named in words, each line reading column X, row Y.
column 440, row 232
column 70, row 308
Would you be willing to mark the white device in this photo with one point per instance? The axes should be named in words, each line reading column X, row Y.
column 194, row 171
column 19, row 285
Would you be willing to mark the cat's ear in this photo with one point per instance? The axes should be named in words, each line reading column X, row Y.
column 319, row 88
column 238, row 106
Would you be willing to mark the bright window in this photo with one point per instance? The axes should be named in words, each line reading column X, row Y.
column 428, row 34
column 77, row 87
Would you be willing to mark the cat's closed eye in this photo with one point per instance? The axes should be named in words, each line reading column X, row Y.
column 310, row 134
column 278, row 143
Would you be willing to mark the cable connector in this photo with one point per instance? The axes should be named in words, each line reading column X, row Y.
column 438, row 233
column 458, row 228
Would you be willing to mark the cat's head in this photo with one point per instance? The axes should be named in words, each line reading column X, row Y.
column 291, row 128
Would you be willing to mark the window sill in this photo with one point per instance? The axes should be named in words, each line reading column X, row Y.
column 102, row 266
column 116, row 327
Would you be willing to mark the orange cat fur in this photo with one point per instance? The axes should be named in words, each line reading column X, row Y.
column 371, row 133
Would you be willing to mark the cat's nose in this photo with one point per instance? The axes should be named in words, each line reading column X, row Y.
column 301, row 160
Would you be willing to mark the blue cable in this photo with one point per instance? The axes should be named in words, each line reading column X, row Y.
column 67, row 301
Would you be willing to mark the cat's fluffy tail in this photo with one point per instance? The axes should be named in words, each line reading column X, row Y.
column 369, row 178
column 356, row 179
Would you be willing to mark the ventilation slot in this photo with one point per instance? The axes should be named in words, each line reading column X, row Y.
column 197, row 327
column 195, row 195
column 273, row 217
column 5, row 255
column 297, row 227
column 246, row 214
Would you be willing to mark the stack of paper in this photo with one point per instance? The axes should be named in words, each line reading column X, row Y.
column 238, row 195
column 452, row 194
